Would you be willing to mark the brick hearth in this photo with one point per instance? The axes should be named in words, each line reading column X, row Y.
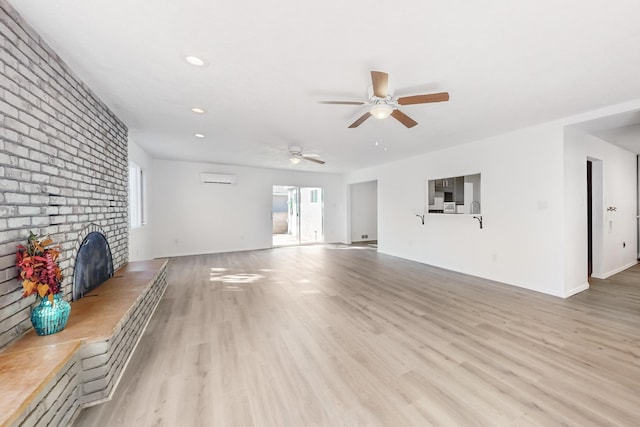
column 47, row 380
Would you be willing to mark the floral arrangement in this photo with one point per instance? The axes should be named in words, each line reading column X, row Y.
column 38, row 268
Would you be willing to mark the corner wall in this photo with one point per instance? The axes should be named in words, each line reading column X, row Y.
column 63, row 163
column 617, row 173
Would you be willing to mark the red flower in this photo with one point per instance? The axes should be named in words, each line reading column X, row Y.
column 38, row 268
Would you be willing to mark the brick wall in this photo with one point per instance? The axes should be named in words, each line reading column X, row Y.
column 63, row 163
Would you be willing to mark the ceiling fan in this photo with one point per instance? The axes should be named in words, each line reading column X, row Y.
column 383, row 104
column 296, row 155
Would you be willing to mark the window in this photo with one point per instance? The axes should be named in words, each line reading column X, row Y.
column 136, row 196
column 314, row 196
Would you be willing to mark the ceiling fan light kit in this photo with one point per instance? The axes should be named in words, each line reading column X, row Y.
column 295, row 156
column 383, row 104
column 294, row 159
column 381, row 111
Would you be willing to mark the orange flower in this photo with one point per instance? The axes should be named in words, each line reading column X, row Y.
column 38, row 268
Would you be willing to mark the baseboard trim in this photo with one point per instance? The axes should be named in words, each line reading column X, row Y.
column 576, row 290
column 614, row 271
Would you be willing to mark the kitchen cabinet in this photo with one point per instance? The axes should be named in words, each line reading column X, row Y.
column 445, row 184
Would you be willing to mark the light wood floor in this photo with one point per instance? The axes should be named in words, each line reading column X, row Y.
column 344, row 336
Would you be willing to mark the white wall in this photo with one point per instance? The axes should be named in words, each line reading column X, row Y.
column 363, row 203
column 617, row 188
column 191, row 218
column 522, row 206
column 533, row 190
column 140, row 239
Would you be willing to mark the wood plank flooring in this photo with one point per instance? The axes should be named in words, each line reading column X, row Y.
column 343, row 336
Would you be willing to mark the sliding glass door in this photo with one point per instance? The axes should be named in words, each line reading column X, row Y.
column 297, row 215
column 311, row 215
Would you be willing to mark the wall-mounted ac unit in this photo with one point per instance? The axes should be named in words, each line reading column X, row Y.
column 217, row 178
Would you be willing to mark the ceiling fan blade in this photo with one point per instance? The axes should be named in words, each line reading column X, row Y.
column 313, row 159
column 380, row 83
column 424, row 99
column 403, row 118
column 361, row 120
column 342, row 102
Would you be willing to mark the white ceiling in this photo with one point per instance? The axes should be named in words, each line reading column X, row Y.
column 627, row 137
column 619, row 129
column 506, row 64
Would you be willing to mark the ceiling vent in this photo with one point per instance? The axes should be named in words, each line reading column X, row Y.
column 217, row 178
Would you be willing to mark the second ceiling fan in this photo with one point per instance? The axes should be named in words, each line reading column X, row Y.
column 384, row 105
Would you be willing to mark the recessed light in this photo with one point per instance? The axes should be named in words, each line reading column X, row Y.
column 385, row 148
column 197, row 110
column 198, row 135
column 194, row 60
column 376, row 143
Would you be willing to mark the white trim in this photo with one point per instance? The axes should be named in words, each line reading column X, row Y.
column 576, row 290
column 136, row 196
column 614, row 271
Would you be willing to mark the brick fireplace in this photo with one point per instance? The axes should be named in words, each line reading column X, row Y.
column 63, row 164
column 64, row 173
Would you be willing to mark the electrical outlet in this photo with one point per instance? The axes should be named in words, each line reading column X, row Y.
column 364, row 236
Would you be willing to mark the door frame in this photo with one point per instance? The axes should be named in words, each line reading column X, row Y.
column 597, row 217
column 297, row 214
column 589, row 219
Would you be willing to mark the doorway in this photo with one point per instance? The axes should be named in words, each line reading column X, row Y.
column 589, row 219
column 595, row 218
column 363, row 212
column 297, row 215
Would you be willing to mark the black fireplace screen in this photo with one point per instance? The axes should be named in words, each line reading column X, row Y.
column 93, row 264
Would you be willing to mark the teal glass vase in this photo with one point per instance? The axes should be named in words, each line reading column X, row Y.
column 50, row 317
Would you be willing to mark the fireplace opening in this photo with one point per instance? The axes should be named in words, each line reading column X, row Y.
column 93, row 266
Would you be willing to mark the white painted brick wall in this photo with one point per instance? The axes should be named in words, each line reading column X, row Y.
column 63, row 163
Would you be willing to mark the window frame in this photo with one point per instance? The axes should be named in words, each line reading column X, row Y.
column 136, row 196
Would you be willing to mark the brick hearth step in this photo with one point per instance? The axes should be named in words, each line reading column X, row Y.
column 49, row 379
